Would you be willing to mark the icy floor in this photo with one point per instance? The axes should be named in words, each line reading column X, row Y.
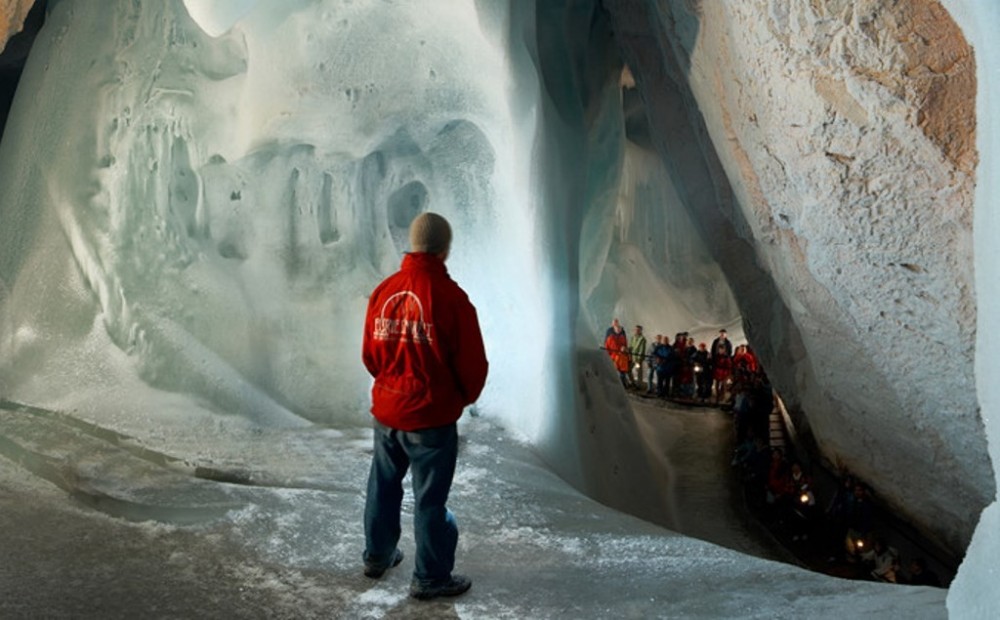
column 696, row 444
column 282, row 538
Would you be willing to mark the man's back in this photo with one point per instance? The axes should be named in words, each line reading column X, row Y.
column 423, row 345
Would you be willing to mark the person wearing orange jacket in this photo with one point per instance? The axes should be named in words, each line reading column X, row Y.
column 616, row 344
column 423, row 346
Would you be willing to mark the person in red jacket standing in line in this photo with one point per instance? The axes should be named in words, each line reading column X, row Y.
column 423, row 346
column 616, row 345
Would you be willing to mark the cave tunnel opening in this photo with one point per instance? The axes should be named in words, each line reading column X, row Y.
column 902, row 542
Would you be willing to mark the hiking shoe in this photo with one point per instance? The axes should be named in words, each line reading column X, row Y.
column 453, row 586
column 375, row 570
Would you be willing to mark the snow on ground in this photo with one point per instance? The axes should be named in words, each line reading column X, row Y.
column 289, row 544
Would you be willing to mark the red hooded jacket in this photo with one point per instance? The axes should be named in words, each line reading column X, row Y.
column 423, row 346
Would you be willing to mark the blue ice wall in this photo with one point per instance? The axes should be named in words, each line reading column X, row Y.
column 195, row 212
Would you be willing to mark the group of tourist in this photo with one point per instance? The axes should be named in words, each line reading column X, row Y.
column 679, row 369
column 778, row 487
column 850, row 515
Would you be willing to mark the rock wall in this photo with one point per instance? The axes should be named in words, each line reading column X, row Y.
column 23, row 18
column 835, row 147
column 973, row 594
column 12, row 14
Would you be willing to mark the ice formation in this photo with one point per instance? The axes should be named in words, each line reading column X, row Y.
column 225, row 182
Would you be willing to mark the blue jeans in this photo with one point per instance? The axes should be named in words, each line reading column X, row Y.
column 432, row 452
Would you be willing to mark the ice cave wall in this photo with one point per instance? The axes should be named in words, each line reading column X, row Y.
column 194, row 212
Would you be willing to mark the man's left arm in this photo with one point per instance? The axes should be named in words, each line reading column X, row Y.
column 469, row 365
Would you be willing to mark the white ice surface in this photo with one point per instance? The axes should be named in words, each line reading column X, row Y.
column 217, row 16
column 288, row 543
column 200, row 196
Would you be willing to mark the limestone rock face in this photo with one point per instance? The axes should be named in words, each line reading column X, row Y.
column 12, row 14
column 835, row 182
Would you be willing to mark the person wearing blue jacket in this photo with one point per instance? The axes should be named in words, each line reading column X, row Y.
column 666, row 360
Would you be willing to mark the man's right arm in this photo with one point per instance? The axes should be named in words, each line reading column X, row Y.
column 367, row 354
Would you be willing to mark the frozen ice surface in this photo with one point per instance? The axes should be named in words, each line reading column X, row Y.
column 217, row 16
column 197, row 206
column 289, row 545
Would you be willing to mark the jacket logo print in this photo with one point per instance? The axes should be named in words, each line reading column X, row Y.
column 402, row 318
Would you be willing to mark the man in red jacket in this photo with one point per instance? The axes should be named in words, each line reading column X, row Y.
column 423, row 346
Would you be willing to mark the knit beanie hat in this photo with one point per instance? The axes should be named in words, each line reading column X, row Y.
column 431, row 233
